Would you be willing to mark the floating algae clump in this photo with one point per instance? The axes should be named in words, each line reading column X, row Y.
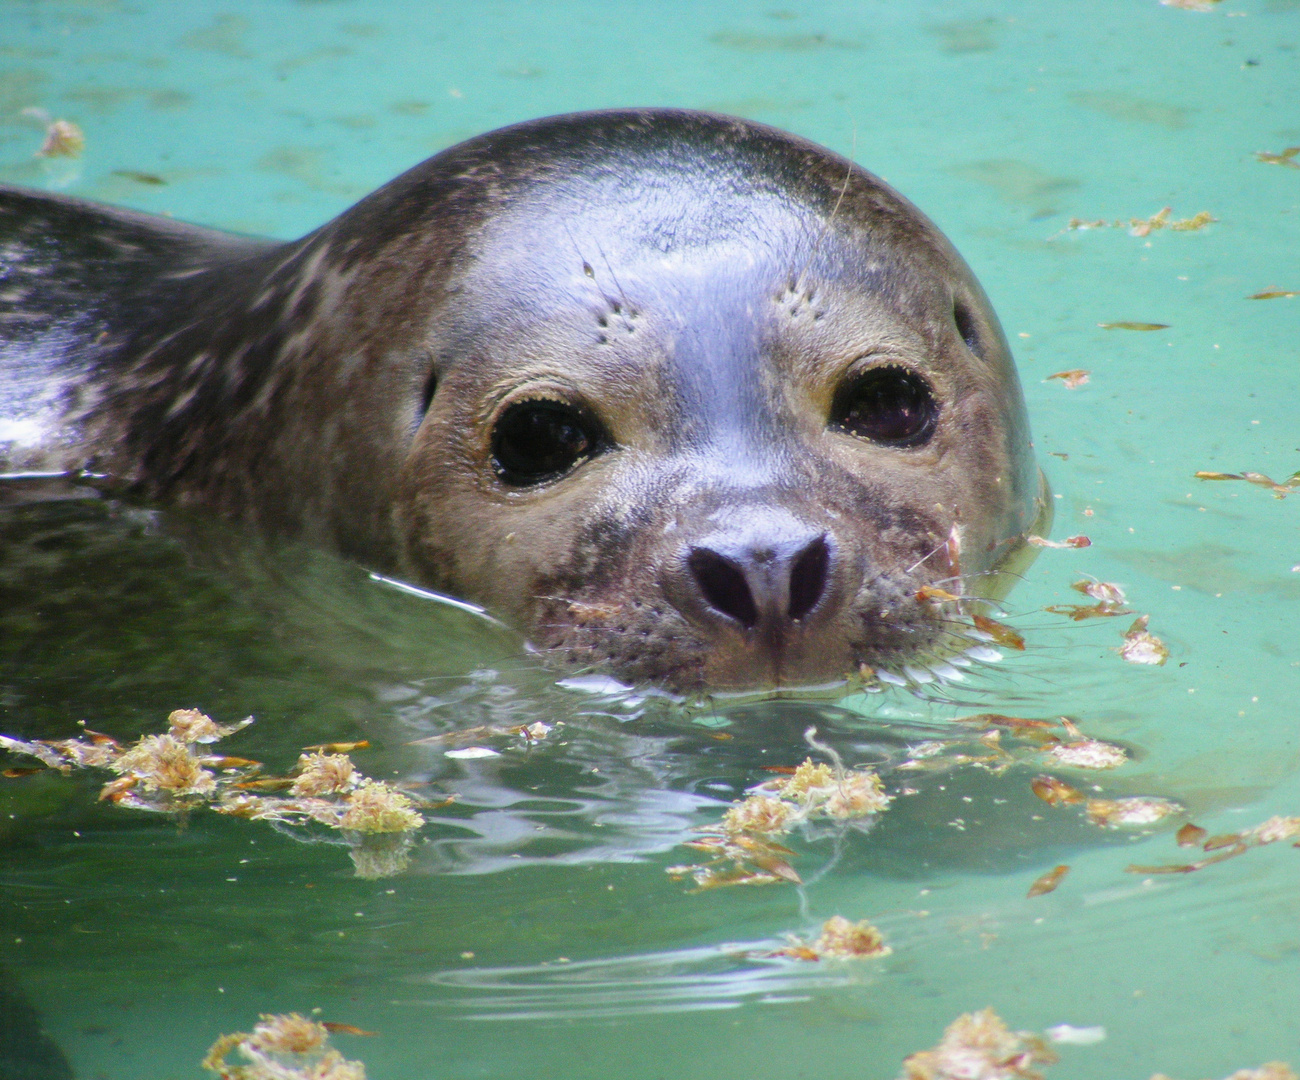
column 840, row 939
column 282, row 1047
column 742, row 839
column 979, row 1046
column 164, row 764
column 168, row 773
column 374, row 807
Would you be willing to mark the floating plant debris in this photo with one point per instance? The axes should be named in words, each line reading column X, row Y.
column 1274, row 294
column 738, row 859
column 1073, row 378
column 741, row 845
column 285, row 1047
column 1055, row 792
column 1190, row 5
column 1228, row 845
column 1000, row 633
column 1285, row 158
column 338, row 747
column 166, row 773
column 1069, row 542
column 63, row 138
column 1280, row 491
column 1134, row 812
column 980, row 1046
column 1107, row 592
column 1146, row 226
column 1088, row 754
column 1142, row 647
column 1048, row 881
column 1026, row 741
column 1079, row 612
column 840, row 939
column 1133, row 325
column 150, row 179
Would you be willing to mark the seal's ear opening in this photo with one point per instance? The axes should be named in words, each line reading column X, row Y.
column 967, row 326
column 430, row 388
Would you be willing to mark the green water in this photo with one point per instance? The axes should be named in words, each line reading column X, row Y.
column 141, row 941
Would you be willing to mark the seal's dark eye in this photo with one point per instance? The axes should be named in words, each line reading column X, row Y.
column 888, row 405
column 539, row 440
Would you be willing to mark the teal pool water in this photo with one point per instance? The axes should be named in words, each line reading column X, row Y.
column 536, row 932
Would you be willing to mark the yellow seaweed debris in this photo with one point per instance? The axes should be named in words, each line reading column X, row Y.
column 1048, row 882
column 164, row 773
column 282, row 1047
column 753, row 860
column 1279, row 490
column 980, row 1046
column 323, row 774
column 840, row 939
column 1106, row 592
column 1079, row 541
column 807, row 792
column 1073, row 378
column 1133, row 812
column 377, row 807
column 1088, row 754
column 1146, row 226
column 857, row 794
column 807, row 777
column 165, row 764
column 1080, row 612
column 817, row 789
column 1271, row 831
column 192, row 726
column 1275, row 294
column 1141, row 646
column 1285, row 158
column 63, row 138
column 1133, row 326
column 760, row 814
column 1055, row 792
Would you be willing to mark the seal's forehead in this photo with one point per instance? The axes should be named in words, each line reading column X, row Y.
column 710, row 222
column 670, row 180
column 642, row 214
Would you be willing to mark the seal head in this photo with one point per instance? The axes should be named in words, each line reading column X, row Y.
column 713, row 407
column 690, row 400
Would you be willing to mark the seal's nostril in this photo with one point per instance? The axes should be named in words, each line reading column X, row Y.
column 724, row 585
column 808, row 577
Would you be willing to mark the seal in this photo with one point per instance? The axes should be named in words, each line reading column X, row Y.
column 689, row 400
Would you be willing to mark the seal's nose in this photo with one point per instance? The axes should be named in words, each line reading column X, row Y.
column 765, row 584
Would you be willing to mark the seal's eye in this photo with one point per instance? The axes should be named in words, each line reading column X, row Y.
column 888, row 405
column 540, row 440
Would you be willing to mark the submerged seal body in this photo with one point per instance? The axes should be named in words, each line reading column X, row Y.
column 686, row 398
